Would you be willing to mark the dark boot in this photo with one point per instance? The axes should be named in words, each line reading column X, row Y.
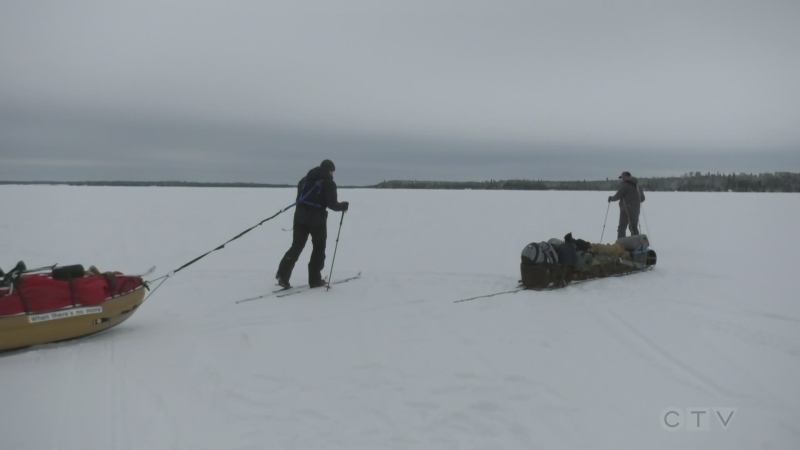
column 319, row 283
column 282, row 282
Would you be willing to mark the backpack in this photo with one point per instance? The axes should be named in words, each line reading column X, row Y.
column 567, row 254
column 539, row 253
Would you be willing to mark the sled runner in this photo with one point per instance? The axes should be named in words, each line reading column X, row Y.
column 64, row 303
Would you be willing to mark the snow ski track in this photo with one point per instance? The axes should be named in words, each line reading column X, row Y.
column 708, row 382
column 771, row 316
column 717, row 309
column 768, row 337
column 346, row 313
column 62, row 409
column 621, row 333
column 115, row 378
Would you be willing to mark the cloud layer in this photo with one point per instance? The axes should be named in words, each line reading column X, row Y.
column 258, row 91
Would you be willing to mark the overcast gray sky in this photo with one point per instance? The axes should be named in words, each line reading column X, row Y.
column 262, row 91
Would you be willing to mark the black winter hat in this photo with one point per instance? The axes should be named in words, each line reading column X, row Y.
column 328, row 165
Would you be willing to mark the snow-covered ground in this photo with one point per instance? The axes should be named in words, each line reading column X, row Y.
column 390, row 361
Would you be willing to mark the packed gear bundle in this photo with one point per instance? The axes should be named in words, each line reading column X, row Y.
column 557, row 263
column 57, row 303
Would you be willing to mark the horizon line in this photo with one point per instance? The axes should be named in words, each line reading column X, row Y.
column 491, row 180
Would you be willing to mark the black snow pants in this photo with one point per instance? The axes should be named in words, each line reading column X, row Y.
column 307, row 223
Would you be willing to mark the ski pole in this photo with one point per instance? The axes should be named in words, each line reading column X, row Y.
column 604, row 223
column 333, row 260
column 646, row 225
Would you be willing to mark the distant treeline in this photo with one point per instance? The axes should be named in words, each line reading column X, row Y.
column 692, row 182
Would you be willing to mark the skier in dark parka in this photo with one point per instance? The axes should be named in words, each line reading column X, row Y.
column 315, row 193
column 630, row 197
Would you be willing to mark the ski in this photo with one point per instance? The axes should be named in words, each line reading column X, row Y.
column 283, row 292
column 307, row 288
column 258, row 297
column 269, row 294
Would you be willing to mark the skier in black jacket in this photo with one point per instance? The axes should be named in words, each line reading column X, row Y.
column 315, row 193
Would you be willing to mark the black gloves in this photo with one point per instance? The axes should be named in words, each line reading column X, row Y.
column 345, row 206
column 609, row 198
